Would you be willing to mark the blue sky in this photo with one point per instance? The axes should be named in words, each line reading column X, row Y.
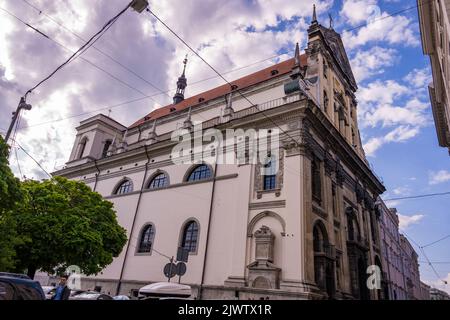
column 395, row 118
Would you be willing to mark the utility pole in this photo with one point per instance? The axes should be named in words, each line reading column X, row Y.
column 22, row 105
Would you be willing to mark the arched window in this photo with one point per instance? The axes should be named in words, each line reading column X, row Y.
column 106, row 148
column 159, row 181
column 81, row 147
column 125, row 187
column 270, row 169
column 319, row 239
column 324, row 272
column 146, row 239
column 190, row 236
column 352, row 226
column 200, row 172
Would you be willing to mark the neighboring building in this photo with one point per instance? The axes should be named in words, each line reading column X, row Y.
column 434, row 16
column 392, row 253
column 308, row 230
column 424, row 291
column 436, row 294
column 411, row 269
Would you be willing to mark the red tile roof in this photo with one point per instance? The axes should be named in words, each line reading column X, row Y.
column 242, row 83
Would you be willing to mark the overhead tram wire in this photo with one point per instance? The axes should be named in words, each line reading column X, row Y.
column 50, row 176
column 95, row 48
column 434, row 242
column 217, row 72
column 196, row 82
column 32, row 158
column 425, row 255
column 82, row 58
column 153, row 95
column 221, row 76
column 83, row 48
column 419, row 196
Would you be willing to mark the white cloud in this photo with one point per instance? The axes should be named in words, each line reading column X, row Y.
column 391, row 29
column 372, row 145
column 381, row 92
column 439, row 177
column 399, row 134
column 401, row 191
column 419, row 78
column 367, row 63
column 406, row 221
column 358, row 11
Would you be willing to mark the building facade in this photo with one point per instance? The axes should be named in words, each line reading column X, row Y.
column 436, row 294
column 434, row 17
column 392, row 253
column 411, row 269
column 299, row 223
column 424, row 291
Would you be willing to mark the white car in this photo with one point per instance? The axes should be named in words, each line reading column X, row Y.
column 49, row 291
column 165, row 290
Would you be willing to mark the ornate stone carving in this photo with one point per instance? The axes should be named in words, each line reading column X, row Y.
column 340, row 174
column 259, row 177
column 329, row 164
column 262, row 272
column 359, row 191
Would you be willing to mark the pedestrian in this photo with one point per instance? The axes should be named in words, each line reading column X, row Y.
column 62, row 290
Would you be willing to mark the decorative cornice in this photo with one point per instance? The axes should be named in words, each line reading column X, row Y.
column 267, row 205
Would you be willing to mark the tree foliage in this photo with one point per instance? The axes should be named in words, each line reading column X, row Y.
column 10, row 194
column 62, row 223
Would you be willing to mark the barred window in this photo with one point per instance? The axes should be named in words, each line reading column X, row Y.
column 146, row 240
column 200, row 172
column 159, row 181
column 269, row 178
column 190, row 236
column 125, row 187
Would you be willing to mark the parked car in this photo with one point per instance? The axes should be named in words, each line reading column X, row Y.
column 20, row 287
column 165, row 290
column 74, row 292
column 91, row 295
column 122, row 297
column 14, row 275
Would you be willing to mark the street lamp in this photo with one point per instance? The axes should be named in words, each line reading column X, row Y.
column 139, row 5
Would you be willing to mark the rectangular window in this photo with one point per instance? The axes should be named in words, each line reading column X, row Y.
column 316, row 183
column 269, row 182
column 334, row 201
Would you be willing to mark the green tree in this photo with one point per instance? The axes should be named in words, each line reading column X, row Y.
column 10, row 194
column 62, row 223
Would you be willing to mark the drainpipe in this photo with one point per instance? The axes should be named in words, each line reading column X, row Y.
column 134, row 220
column 209, row 223
column 97, row 175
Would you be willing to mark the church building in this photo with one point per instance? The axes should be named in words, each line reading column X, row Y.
column 299, row 224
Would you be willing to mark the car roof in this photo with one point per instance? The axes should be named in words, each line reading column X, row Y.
column 19, row 280
column 14, row 275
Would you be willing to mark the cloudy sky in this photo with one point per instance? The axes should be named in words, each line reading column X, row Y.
column 137, row 59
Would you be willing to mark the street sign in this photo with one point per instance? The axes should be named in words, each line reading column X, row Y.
column 170, row 270
column 181, row 268
column 182, row 254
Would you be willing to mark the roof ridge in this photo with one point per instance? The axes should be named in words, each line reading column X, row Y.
column 246, row 81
